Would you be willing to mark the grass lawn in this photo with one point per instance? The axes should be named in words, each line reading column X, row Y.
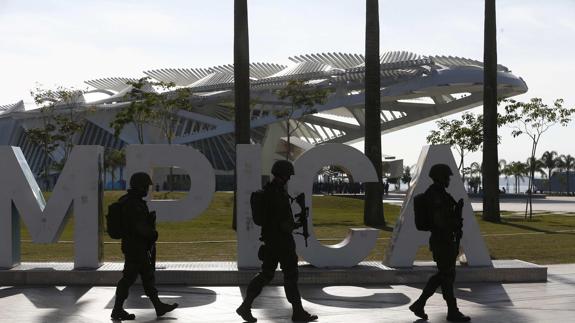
column 547, row 239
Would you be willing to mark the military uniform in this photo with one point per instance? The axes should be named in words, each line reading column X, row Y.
column 137, row 245
column 444, row 241
column 278, row 246
column 446, row 233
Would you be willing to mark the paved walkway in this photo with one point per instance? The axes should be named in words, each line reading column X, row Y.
column 552, row 301
column 554, row 204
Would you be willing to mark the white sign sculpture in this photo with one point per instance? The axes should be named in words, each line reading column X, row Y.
column 79, row 191
column 407, row 239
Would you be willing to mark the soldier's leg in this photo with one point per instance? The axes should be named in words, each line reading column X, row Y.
column 290, row 271
column 148, row 276
column 129, row 275
column 264, row 277
column 269, row 264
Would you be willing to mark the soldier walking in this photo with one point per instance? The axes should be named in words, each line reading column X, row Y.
column 278, row 247
column 446, row 234
column 138, row 247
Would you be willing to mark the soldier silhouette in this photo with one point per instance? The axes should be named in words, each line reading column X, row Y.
column 138, row 247
column 278, row 247
column 446, row 234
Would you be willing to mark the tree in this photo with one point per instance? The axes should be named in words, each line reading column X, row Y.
column 406, row 176
column 533, row 119
column 60, row 122
column 165, row 112
column 373, row 206
column 491, row 210
column 241, row 82
column 502, row 166
column 303, row 98
column 518, row 170
column 464, row 135
column 139, row 113
column 567, row 162
column 550, row 161
column 114, row 158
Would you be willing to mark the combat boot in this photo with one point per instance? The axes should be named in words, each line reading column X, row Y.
column 417, row 309
column 453, row 313
column 300, row 315
column 162, row 308
column 122, row 315
column 246, row 313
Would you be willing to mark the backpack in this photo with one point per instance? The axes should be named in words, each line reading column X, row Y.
column 114, row 220
column 423, row 218
column 258, row 204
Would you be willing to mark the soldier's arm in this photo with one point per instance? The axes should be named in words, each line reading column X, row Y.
column 140, row 223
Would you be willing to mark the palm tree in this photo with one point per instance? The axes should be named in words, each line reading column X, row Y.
column 567, row 163
column 490, row 158
column 373, row 207
column 551, row 161
column 518, row 170
column 502, row 165
column 241, row 81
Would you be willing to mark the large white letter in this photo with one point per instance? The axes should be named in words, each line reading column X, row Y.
column 249, row 179
column 359, row 242
column 407, row 239
column 78, row 191
column 144, row 158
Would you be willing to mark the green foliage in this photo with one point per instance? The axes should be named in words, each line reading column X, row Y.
column 533, row 119
column 406, row 176
column 61, row 120
column 154, row 103
column 465, row 135
column 302, row 96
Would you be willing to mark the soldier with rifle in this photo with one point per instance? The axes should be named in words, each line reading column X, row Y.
column 279, row 245
column 446, row 232
column 139, row 248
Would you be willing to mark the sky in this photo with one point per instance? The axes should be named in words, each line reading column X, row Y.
column 56, row 42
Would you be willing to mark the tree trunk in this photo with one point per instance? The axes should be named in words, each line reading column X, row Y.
column 490, row 163
column 241, row 82
column 373, row 209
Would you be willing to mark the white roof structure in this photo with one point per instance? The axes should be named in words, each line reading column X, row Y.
column 415, row 89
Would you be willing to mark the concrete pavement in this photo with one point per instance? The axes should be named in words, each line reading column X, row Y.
column 552, row 301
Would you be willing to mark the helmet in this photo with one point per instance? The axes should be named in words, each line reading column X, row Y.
column 282, row 168
column 439, row 170
column 140, row 180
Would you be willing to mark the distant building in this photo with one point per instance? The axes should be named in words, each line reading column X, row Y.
column 415, row 89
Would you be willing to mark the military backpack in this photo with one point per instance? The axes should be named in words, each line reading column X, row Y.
column 258, row 205
column 423, row 216
column 115, row 221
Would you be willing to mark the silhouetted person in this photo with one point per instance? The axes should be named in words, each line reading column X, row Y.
column 138, row 246
column 278, row 247
column 444, row 243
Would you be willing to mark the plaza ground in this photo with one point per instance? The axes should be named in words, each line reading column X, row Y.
column 534, row 302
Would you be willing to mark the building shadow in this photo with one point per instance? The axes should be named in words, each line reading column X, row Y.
column 186, row 297
column 317, row 294
column 47, row 297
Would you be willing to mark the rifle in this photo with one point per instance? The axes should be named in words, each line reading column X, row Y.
column 302, row 216
column 459, row 217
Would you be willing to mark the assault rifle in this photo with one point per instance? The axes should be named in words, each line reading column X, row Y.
column 302, row 216
column 459, row 216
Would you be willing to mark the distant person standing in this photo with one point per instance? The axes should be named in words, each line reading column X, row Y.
column 446, row 233
column 278, row 247
column 138, row 247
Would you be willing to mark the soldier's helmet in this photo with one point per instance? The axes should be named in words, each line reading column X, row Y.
column 283, row 168
column 140, row 181
column 438, row 171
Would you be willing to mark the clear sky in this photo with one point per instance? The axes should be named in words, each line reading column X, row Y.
column 56, row 42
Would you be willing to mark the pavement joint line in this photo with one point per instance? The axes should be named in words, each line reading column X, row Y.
column 326, row 239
